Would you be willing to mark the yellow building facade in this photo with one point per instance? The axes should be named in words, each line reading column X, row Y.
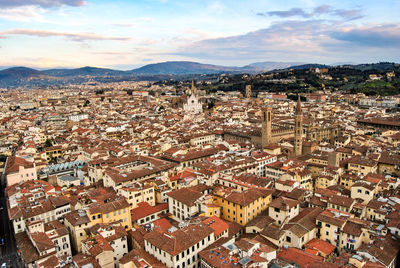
column 114, row 211
column 242, row 207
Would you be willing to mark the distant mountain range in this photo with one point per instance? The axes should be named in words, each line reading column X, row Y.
column 163, row 68
column 20, row 76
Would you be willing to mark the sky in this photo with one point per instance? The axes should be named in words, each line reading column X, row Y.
column 125, row 34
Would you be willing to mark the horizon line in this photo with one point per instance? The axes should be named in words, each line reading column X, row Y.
column 5, row 67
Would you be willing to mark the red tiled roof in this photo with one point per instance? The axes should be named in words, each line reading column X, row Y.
column 320, row 245
column 303, row 259
column 15, row 162
column 182, row 175
column 162, row 224
column 218, row 225
column 144, row 209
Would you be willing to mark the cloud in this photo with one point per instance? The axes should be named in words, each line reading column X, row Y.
column 300, row 40
column 71, row 36
column 322, row 9
column 288, row 13
column 41, row 3
column 290, row 37
column 350, row 14
column 24, row 14
column 112, row 53
column 32, row 10
column 319, row 10
column 383, row 36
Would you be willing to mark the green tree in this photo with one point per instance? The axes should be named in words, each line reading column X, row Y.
column 48, row 143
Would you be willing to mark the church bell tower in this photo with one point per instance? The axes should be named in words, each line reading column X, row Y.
column 298, row 129
column 266, row 126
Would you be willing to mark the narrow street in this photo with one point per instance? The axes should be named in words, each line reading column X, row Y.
column 9, row 248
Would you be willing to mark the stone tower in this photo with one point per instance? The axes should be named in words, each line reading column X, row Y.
column 298, row 129
column 266, row 126
column 248, row 91
column 333, row 159
column 193, row 89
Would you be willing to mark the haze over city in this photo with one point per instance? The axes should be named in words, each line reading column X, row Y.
column 128, row 34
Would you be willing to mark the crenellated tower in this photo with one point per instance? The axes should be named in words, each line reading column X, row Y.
column 266, row 131
column 248, row 91
column 298, row 129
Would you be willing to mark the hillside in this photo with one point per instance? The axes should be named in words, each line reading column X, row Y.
column 299, row 79
column 178, row 70
column 182, row 67
column 271, row 65
column 92, row 71
column 19, row 73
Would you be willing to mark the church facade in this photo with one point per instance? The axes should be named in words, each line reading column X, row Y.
column 192, row 105
column 294, row 134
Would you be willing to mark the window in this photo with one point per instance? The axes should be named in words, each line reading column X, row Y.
column 288, row 239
